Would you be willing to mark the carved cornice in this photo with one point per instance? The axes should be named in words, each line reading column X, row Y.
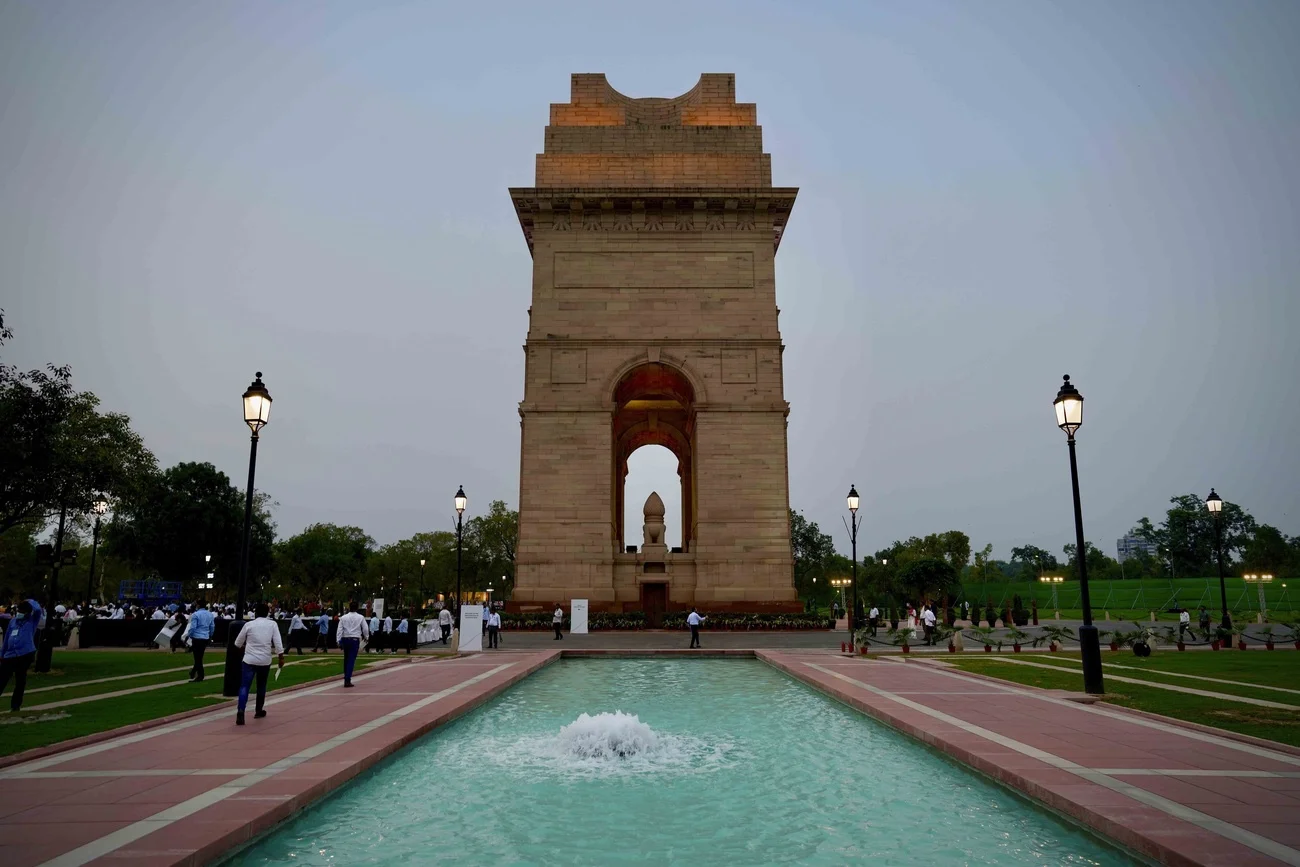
column 638, row 210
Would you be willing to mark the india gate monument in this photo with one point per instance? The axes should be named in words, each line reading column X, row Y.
column 653, row 226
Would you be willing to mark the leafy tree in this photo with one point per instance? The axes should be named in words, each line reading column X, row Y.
column 813, row 551
column 1100, row 567
column 1033, row 560
column 57, row 451
column 323, row 561
column 491, row 541
column 1271, row 552
column 185, row 513
column 928, row 578
column 1185, row 539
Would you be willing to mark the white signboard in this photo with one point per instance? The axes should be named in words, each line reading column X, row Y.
column 378, row 607
column 578, row 617
column 471, row 628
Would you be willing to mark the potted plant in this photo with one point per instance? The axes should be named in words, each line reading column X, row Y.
column 1267, row 632
column 1054, row 635
column 903, row 637
column 943, row 633
column 1291, row 633
column 1016, row 637
column 984, row 635
column 1110, row 636
column 1241, row 638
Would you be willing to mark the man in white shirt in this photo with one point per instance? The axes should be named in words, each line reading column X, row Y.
column 297, row 630
column 873, row 620
column 118, row 614
column 927, row 623
column 1184, row 622
column 259, row 639
column 487, row 615
column 557, row 620
column 444, row 623
column 376, row 627
column 494, row 630
column 693, row 620
column 402, row 638
column 388, row 633
column 352, row 629
column 158, row 614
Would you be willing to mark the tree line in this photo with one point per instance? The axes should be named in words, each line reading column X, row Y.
column 60, row 454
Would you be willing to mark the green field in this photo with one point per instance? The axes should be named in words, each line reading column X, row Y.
column 1136, row 598
column 1250, row 671
column 71, row 669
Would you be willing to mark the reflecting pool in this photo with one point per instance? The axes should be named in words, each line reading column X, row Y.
column 699, row 761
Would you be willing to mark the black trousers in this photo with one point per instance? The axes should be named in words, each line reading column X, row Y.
column 875, row 624
column 558, row 633
column 322, row 639
column 494, row 636
column 446, row 631
column 695, row 636
column 17, row 667
column 200, row 647
column 297, row 637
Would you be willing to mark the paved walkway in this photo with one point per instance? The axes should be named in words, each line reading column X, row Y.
column 183, row 793
column 1173, row 793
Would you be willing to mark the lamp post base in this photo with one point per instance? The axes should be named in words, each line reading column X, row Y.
column 234, row 672
column 1090, row 650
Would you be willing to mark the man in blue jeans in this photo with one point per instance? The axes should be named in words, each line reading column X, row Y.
column 352, row 629
column 19, row 649
column 201, row 625
column 260, row 640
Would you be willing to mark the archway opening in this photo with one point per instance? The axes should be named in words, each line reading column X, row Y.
column 652, row 468
column 654, row 406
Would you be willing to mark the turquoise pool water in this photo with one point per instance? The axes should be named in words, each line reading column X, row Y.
column 727, row 762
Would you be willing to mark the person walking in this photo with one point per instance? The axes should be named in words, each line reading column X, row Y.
column 18, row 650
column 353, row 629
column 487, row 615
column 260, row 640
column 557, row 620
column 322, row 632
column 388, row 633
column 202, row 625
column 403, row 635
column 873, row 620
column 494, row 630
column 297, row 630
column 444, row 623
column 693, row 620
column 178, row 630
column 1203, row 619
column 376, row 631
column 1184, row 623
column 927, row 623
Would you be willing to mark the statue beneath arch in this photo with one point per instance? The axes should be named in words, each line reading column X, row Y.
column 653, row 228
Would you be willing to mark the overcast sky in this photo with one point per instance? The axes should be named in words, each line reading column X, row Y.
column 992, row 194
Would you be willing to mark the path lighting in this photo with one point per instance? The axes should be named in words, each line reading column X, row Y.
column 1053, row 580
column 99, row 508
column 853, row 535
column 1069, row 418
column 257, row 412
column 461, row 502
column 1259, row 581
column 839, row 584
column 1214, row 504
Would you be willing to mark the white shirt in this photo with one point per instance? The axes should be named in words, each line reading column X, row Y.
column 353, row 625
column 296, row 623
column 260, row 640
column 875, row 612
column 444, row 617
column 388, row 624
column 559, row 616
column 928, row 617
column 375, row 623
column 1184, row 618
column 158, row 615
column 693, row 619
column 494, row 620
column 118, row 614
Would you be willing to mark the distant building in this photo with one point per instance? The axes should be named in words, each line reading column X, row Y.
column 1131, row 546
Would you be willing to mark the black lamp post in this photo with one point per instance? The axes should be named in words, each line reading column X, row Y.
column 461, row 502
column 853, row 535
column 100, row 507
column 1069, row 418
column 421, row 584
column 257, row 412
column 1215, row 506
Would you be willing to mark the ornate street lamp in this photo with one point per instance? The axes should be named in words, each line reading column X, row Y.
column 461, row 502
column 257, row 412
column 421, row 584
column 1214, row 504
column 853, row 536
column 100, row 508
column 1069, row 418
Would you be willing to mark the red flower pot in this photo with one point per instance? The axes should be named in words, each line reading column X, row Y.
column 952, row 648
column 1182, row 646
column 906, row 649
column 1054, row 647
column 988, row 648
column 1016, row 648
column 1115, row 646
column 1268, row 645
column 862, row 649
column 1241, row 645
column 843, row 647
column 1214, row 645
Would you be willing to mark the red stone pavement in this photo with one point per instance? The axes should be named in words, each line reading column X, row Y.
column 186, row 792
column 1177, row 794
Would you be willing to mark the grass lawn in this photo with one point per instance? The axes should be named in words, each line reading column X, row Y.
column 1259, row 667
column 29, row 729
